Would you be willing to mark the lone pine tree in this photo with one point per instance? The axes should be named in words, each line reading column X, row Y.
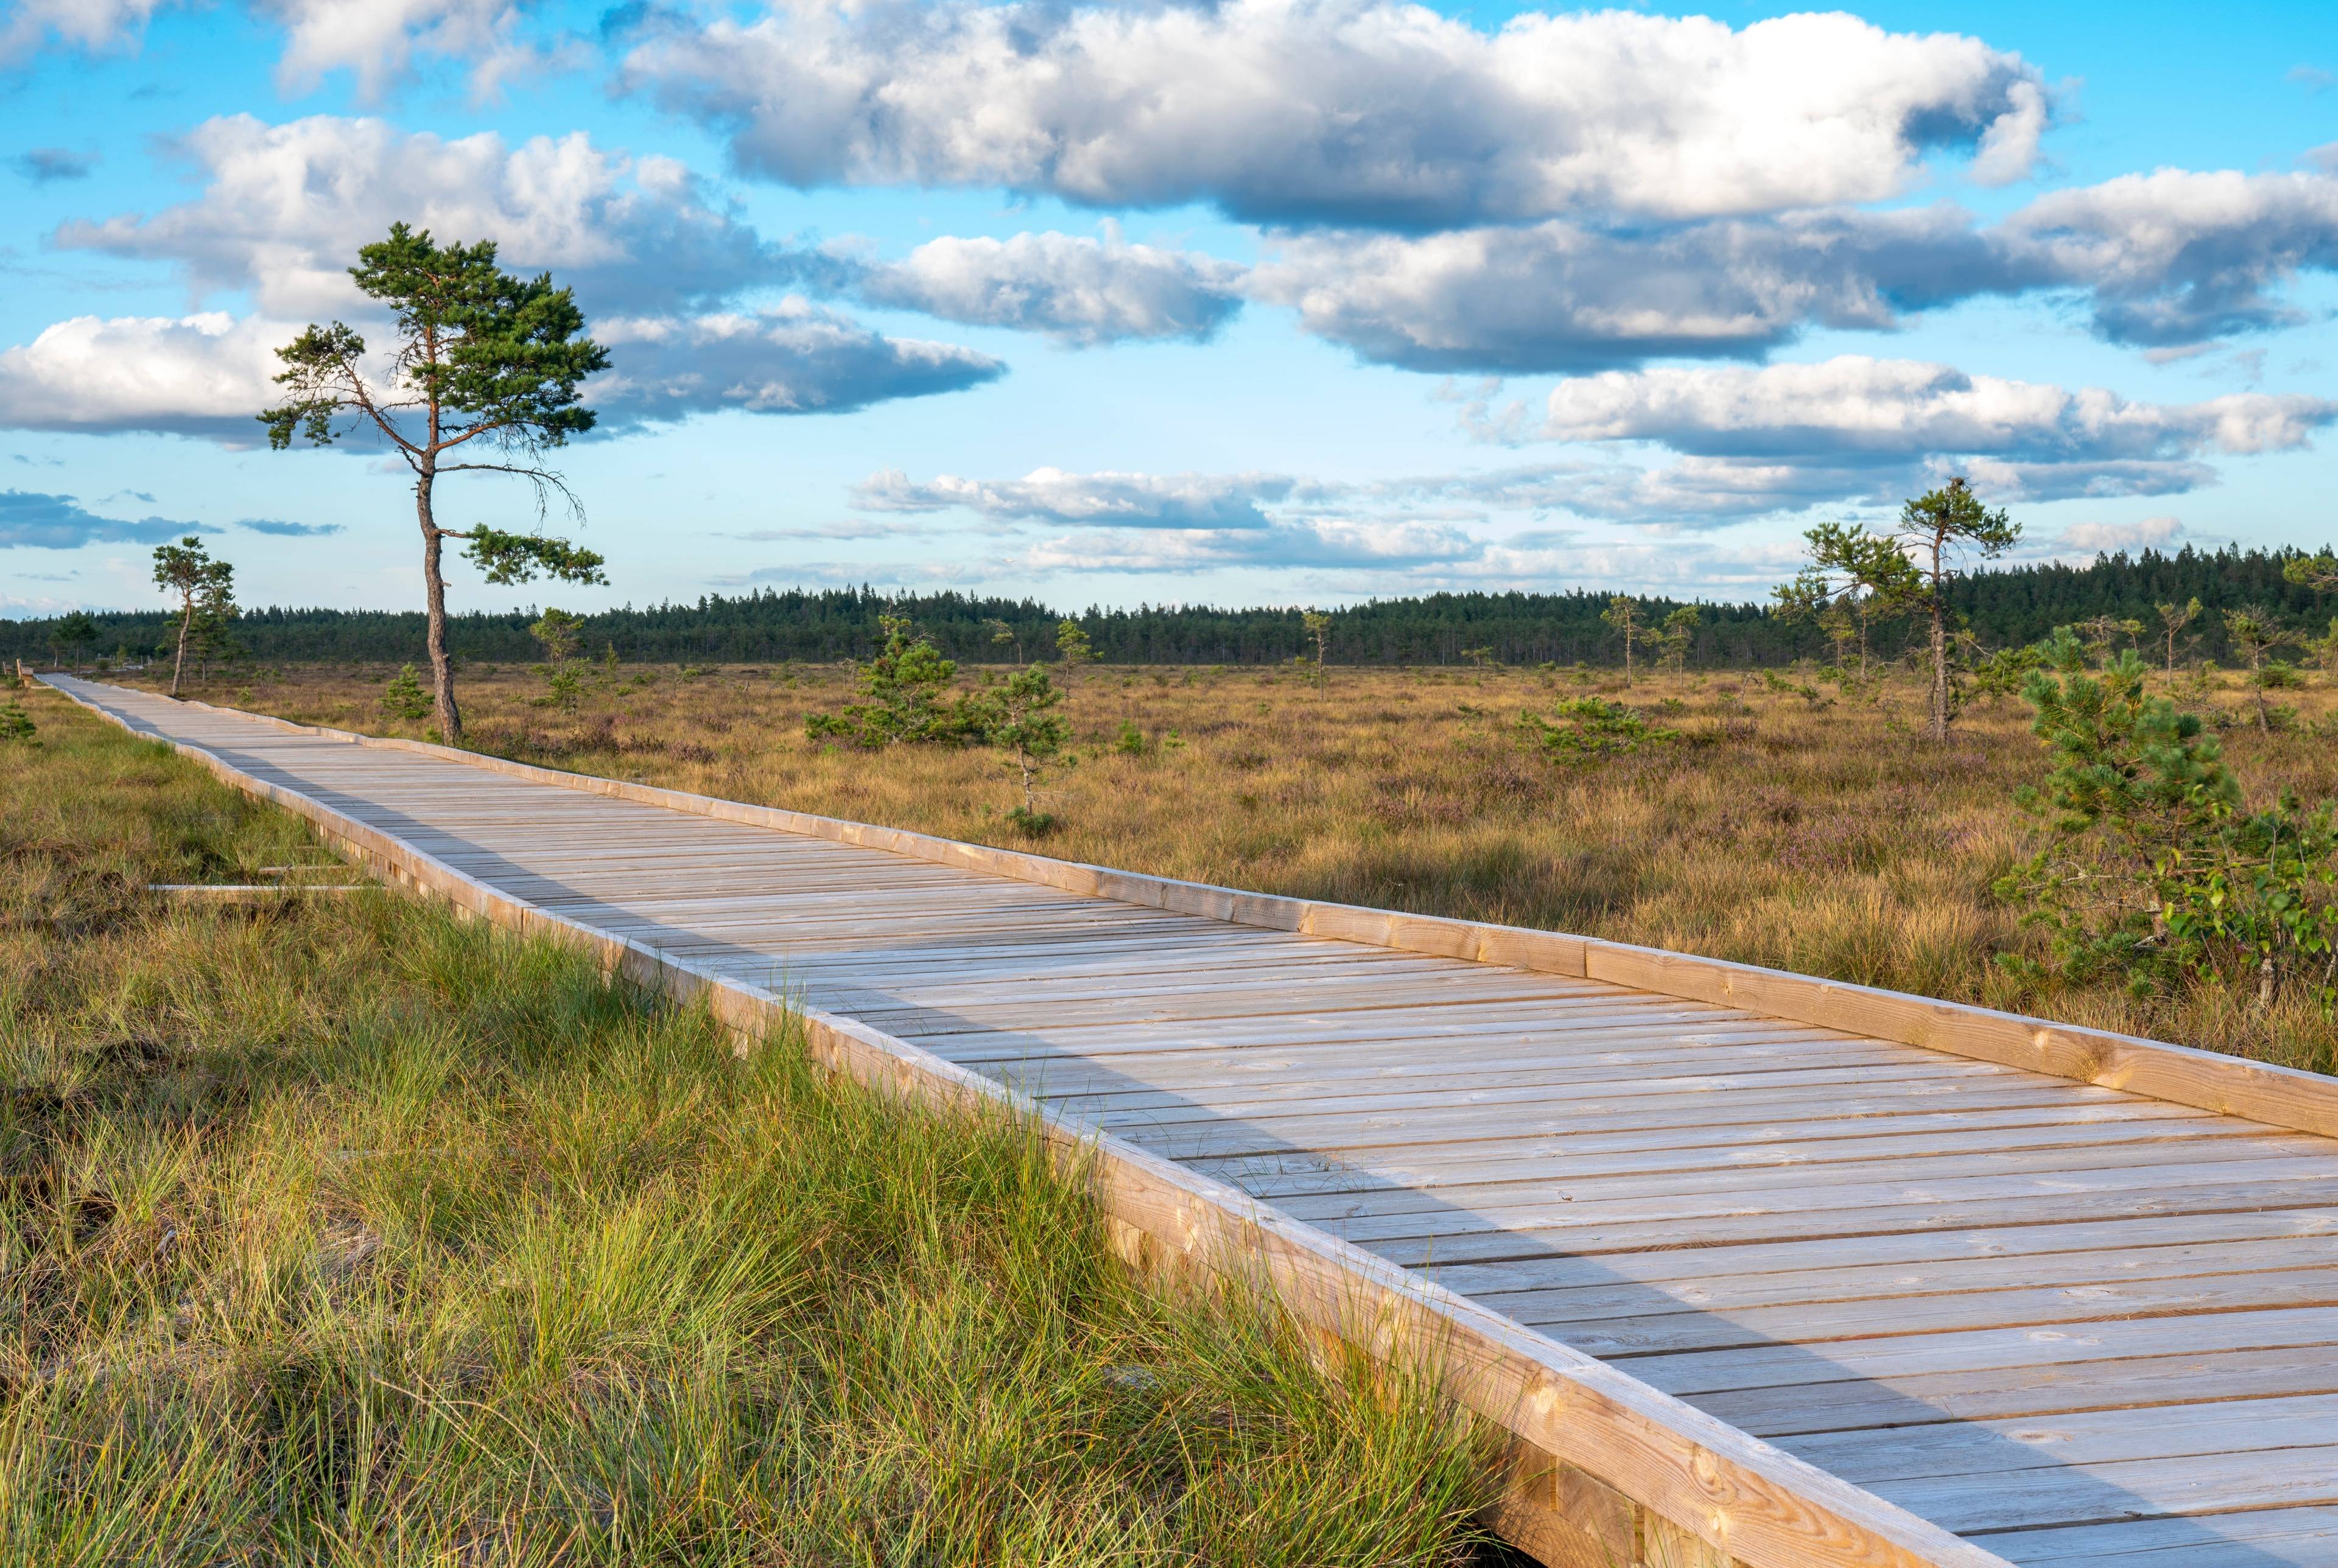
column 482, row 377
column 205, row 588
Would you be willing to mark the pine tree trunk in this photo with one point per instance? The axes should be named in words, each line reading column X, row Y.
column 1940, row 668
column 442, row 669
column 186, row 623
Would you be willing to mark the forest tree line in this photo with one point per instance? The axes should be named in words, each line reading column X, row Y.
column 2001, row 608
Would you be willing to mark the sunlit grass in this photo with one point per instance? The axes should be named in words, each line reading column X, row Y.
column 347, row 1233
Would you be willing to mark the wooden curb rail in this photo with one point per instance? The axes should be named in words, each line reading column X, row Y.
column 1596, row 1446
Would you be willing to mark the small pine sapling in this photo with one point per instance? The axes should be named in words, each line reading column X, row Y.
column 1318, row 627
column 1592, row 729
column 2252, row 633
column 404, row 697
column 1021, row 722
column 15, row 724
column 902, row 691
column 560, row 633
column 2153, row 866
column 1073, row 648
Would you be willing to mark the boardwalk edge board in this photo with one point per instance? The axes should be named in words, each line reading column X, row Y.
column 2207, row 1080
column 1595, row 1447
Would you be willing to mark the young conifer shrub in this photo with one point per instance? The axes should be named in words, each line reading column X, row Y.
column 903, row 693
column 2153, row 866
column 1020, row 720
column 404, row 697
column 1591, row 728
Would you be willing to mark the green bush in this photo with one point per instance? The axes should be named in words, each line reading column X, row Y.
column 903, row 691
column 2152, row 866
column 1591, row 728
column 404, row 697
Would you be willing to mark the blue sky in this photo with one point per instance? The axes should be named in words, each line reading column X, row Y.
column 1277, row 301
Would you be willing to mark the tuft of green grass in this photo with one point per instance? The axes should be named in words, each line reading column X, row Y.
column 349, row 1232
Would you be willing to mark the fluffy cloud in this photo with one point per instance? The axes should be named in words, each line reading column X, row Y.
column 2162, row 259
column 1361, row 111
column 380, row 41
column 207, row 375
column 1852, row 407
column 1852, row 428
column 794, row 359
column 1173, row 501
column 1072, row 289
column 210, row 374
column 2088, row 538
column 1562, row 296
column 28, row 518
column 2177, row 256
column 90, row 24
column 285, row 207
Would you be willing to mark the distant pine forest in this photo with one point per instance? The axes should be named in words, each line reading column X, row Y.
column 2001, row 608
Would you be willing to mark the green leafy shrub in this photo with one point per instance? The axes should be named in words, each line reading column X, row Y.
column 15, row 724
column 2153, row 866
column 1590, row 728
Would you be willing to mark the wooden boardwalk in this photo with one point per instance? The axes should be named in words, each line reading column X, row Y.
column 2066, row 1323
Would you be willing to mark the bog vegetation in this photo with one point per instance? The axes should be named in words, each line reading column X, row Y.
column 346, row 1232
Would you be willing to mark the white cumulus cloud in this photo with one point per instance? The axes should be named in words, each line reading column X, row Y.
column 1854, row 428
column 210, row 374
column 2089, row 538
column 91, row 25
column 795, row 359
column 1077, row 290
column 2178, row 256
column 284, row 209
column 206, row 374
column 380, row 41
column 1347, row 111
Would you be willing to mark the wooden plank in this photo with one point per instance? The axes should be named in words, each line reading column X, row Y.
column 2084, row 1437
column 1910, row 1253
column 2132, row 1385
column 2303, row 1537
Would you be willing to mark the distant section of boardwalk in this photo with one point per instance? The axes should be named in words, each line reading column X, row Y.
column 2071, row 1325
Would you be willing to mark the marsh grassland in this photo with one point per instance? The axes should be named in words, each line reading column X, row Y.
column 1812, row 827
column 342, row 1231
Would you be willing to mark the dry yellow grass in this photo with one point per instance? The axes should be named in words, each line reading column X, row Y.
column 1833, row 840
